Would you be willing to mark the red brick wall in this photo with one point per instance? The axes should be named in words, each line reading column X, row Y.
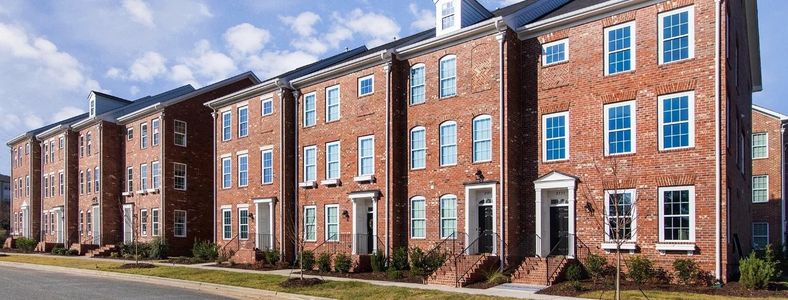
column 30, row 166
column 769, row 211
column 51, row 169
column 136, row 156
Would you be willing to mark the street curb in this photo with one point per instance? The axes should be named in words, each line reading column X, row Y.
column 210, row 288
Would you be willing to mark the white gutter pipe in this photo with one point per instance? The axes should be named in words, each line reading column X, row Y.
column 501, row 37
column 782, row 183
column 717, row 171
column 387, row 69
column 213, row 181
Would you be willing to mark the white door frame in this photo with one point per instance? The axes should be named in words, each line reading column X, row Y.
column 130, row 219
column 259, row 204
column 26, row 220
column 59, row 224
column 472, row 209
column 553, row 181
column 96, row 224
column 359, row 201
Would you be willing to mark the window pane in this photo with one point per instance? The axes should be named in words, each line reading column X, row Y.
column 619, row 50
column 555, row 137
column 675, row 118
column 675, row 34
column 417, row 85
column 448, row 142
column 418, row 149
column 448, row 75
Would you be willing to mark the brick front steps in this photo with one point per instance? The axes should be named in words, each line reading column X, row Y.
column 467, row 269
column 534, row 270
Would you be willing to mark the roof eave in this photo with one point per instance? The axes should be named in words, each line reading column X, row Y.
column 579, row 16
column 140, row 112
column 754, row 44
column 238, row 96
column 49, row 132
column 343, row 68
column 770, row 112
column 471, row 32
column 18, row 139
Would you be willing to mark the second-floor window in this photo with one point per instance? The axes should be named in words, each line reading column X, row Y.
column 180, row 130
column 482, row 138
column 332, row 160
column 227, row 173
column 179, row 172
column 155, row 128
column 760, row 145
column 310, row 114
column 554, row 136
column 268, row 166
column 130, row 179
column 310, row 163
column 366, row 155
column 555, row 52
column 620, row 128
column 760, row 189
column 61, row 183
column 144, row 135
column 418, row 148
column 243, row 170
column 227, row 121
column 243, row 121
column 417, row 84
column 267, row 106
column 143, row 177
column 155, row 174
column 448, row 143
column 130, row 133
column 448, row 76
column 676, row 35
column 676, row 121
column 96, row 180
column 332, row 104
column 366, row 85
column 620, row 48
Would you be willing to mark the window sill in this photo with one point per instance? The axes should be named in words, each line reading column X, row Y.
column 677, row 149
column 308, row 184
column 620, row 73
column 447, row 97
column 364, row 178
column 666, row 64
column 546, row 65
column 555, row 161
column 365, row 95
column 629, row 246
column 152, row 191
column 617, row 155
column 331, row 182
column 142, row 192
column 664, row 247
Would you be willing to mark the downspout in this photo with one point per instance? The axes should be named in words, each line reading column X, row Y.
column 717, row 171
column 782, row 183
column 501, row 37
column 65, row 179
column 215, row 173
column 282, row 182
column 101, row 188
column 387, row 69
column 41, row 228
column 295, row 169
column 162, row 170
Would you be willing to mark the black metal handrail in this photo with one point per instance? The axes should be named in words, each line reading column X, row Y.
column 495, row 238
column 552, row 269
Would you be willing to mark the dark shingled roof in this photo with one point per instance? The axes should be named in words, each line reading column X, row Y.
column 570, row 7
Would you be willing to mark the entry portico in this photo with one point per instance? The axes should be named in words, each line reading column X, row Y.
column 555, row 214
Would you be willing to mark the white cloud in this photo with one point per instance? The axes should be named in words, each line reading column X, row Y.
column 372, row 25
column 303, row 24
column 10, row 122
column 134, row 90
column 204, row 10
column 182, row 75
column 273, row 63
column 114, row 73
column 208, row 63
column 425, row 19
column 310, row 44
column 246, row 38
column 140, row 12
column 33, row 121
column 65, row 113
column 375, row 28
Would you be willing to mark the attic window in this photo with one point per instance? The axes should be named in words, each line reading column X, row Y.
column 447, row 15
column 92, row 107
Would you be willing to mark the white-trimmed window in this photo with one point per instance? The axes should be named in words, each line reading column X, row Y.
column 760, row 145
column 144, row 177
column 180, row 128
column 180, row 172
column 243, row 170
column 46, row 186
column 155, row 219
column 143, row 136
column 418, row 148
column 81, row 223
column 676, row 120
column 366, row 155
column 677, row 214
column 243, row 121
column 227, row 173
column 760, row 235
column 448, row 76
column 417, row 92
column 620, row 220
column 155, row 128
column 96, row 180
column 89, row 180
column 448, row 11
column 144, row 222
column 366, row 85
column 555, row 52
column 89, row 140
column 89, row 222
column 418, row 218
column 27, row 185
column 760, row 189
column 332, row 160
column 227, row 123
column 155, row 171
column 130, row 179
column 310, row 110
column 227, row 224
column 268, row 166
column 620, row 48
column 61, row 183
column 554, row 134
column 448, row 143
column 448, row 216
column 130, row 133
column 620, row 128
column 267, row 106
column 310, row 163
column 332, row 222
column 179, row 227
column 310, row 228
column 81, row 182
column 676, row 34
column 243, row 223
column 332, row 104
column 482, row 138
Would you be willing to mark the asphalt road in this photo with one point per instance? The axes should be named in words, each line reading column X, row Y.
column 25, row 284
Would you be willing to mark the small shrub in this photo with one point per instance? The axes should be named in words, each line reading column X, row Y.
column 597, row 266
column 58, row 250
column 271, row 257
column 755, row 272
column 400, row 259
column 25, row 244
column 393, row 273
column 114, row 255
column 417, row 261
column 308, row 260
column 158, row 249
column 72, row 252
column 379, row 261
column 423, row 263
column 495, row 277
column 574, row 272
column 661, row 276
column 641, row 269
column 686, row 270
column 342, row 263
column 324, row 262
column 771, row 257
column 205, row 251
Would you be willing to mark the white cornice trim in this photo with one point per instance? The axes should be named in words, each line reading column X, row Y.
column 141, row 112
column 770, row 112
column 368, row 60
column 251, row 91
column 580, row 16
column 468, row 33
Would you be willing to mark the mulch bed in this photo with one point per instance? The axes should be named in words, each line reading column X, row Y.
column 137, row 266
column 183, row 260
column 14, row 250
column 381, row 276
column 246, row 267
column 732, row 289
column 298, row 282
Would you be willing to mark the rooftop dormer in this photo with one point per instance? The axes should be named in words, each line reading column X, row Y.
column 452, row 15
column 99, row 103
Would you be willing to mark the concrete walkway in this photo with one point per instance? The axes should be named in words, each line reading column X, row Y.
column 510, row 290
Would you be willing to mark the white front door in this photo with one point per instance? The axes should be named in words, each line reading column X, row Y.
column 25, row 222
column 128, row 224
column 59, row 224
column 364, row 229
column 264, row 229
column 96, row 225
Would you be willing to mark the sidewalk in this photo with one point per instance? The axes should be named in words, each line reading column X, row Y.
column 507, row 290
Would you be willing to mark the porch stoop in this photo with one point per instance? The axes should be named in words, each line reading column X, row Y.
column 82, row 249
column 537, row 270
column 9, row 243
column 102, row 251
column 45, row 247
column 469, row 269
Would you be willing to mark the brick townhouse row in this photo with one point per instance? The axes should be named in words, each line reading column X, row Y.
column 768, row 180
column 513, row 133
column 534, row 133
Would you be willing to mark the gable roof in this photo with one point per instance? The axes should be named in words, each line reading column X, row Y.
column 770, row 112
column 32, row 133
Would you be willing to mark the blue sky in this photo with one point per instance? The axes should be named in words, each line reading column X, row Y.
column 52, row 53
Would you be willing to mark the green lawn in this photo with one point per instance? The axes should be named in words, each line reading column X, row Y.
column 330, row 289
column 657, row 295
